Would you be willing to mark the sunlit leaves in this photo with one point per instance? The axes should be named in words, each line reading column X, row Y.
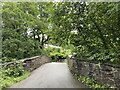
column 96, row 25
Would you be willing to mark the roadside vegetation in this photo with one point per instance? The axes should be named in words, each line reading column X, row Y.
column 11, row 75
column 57, row 54
column 92, row 83
column 86, row 31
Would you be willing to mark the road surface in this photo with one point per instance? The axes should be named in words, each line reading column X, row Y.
column 50, row 75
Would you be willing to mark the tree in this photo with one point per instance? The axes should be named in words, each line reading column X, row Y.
column 25, row 28
column 90, row 27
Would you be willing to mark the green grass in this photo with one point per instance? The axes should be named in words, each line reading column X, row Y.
column 6, row 81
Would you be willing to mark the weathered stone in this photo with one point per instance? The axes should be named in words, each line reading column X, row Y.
column 104, row 74
column 29, row 63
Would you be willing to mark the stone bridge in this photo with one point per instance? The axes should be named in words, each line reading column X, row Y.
column 45, row 74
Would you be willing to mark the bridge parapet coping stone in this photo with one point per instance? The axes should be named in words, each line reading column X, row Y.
column 29, row 64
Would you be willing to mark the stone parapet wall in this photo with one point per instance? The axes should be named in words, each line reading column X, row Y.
column 29, row 64
column 103, row 73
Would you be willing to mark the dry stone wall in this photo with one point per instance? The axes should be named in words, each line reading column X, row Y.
column 103, row 73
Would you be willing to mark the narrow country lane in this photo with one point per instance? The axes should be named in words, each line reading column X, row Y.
column 50, row 75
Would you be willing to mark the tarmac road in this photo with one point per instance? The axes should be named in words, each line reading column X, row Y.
column 50, row 75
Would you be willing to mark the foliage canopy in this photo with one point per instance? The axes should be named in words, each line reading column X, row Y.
column 91, row 28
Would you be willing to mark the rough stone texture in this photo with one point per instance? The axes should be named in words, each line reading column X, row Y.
column 29, row 64
column 103, row 73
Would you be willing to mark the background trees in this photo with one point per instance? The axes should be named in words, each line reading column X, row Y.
column 25, row 29
column 91, row 28
column 88, row 31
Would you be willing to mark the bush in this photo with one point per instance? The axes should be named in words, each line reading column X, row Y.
column 55, row 53
column 6, row 81
column 57, row 56
column 13, row 70
column 5, row 60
